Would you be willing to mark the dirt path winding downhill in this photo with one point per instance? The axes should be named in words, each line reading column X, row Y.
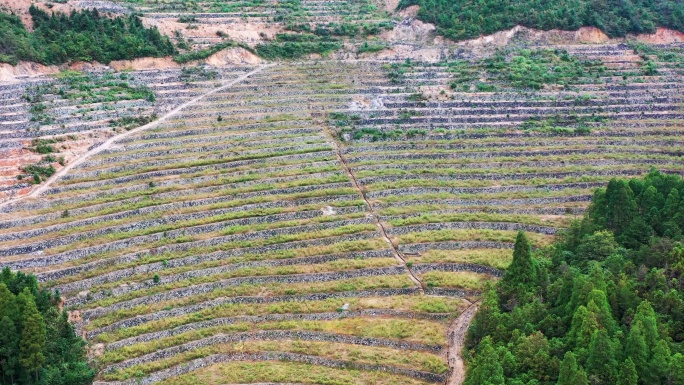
column 39, row 189
column 376, row 219
column 457, row 331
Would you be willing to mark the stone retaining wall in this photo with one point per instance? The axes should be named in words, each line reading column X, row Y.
column 199, row 363
column 271, row 335
column 275, row 318
column 141, row 319
column 231, row 282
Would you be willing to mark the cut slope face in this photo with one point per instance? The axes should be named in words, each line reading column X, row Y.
column 245, row 238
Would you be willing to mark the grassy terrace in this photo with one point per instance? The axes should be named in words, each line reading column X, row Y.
column 239, row 241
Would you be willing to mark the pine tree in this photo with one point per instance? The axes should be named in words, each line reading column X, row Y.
column 7, row 303
column 601, row 364
column 487, row 318
column 521, row 275
column 598, row 304
column 9, row 349
column 650, row 199
column 628, row 374
column 636, row 347
column 646, row 315
column 671, row 205
column 621, row 206
column 570, row 373
column 33, row 339
column 677, row 369
column 486, row 368
column 582, row 328
column 659, row 364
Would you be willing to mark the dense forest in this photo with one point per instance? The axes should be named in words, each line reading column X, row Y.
column 81, row 36
column 465, row 19
column 37, row 343
column 602, row 305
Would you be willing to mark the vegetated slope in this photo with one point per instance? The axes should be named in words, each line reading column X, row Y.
column 464, row 19
column 204, row 25
column 603, row 305
column 243, row 230
column 47, row 122
column 81, row 36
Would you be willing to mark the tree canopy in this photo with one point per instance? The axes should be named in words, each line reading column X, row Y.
column 80, row 36
column 38, row 345
column 466, row 19
column 603, row 305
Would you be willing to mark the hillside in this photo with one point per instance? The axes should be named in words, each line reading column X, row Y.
column 326, row 201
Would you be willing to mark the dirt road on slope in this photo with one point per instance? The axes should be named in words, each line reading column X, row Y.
column 456, row 338
column 39, row 189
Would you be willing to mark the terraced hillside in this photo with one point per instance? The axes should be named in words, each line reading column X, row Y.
column 50, row 121
column 201, row 24
column 333, row 219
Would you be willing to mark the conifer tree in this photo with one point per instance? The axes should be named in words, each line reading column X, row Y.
column 582, row 329
column 601, row 365
column 33, row 340
column 621, row 206
column 636, row 347
column 676, row 376
column 7, row 302
column 520, row 276
column 9, row 349
column 659, row 364
column 598, row 304
column 486, row 368
column 646, row 315
column 628, row 374
column 570, row 373
column 487, row 317
column 671, row 205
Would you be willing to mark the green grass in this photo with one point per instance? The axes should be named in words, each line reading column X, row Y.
column 362, row 354
column 498, row 258
column 461, row 280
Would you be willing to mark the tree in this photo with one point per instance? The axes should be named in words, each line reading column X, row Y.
column 33, row 338
column 487, row 318
column 486, row 368
column 598, row 304
column 582, row 328
column 595, row 247
column 659, row 364
column 570, row 373
column 9, row 348
column 534, row 358
column 628, row 374
column 601, row 365
column 621, row 206
column 677, row 369
column 646, row 316
column 518, row 283
column 636, row 348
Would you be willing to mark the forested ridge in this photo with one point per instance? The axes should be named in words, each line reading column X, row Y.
column 80, row 36
column 602, row 305
column 37, row 343
column 465, row 19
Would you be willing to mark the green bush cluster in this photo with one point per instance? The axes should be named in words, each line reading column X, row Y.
column 562, row 124
column 84, row 35
column 130, row 122
column 532, row 69
column 293, row 46
column 603, row 305
column 205, row 53
column 38, row 345
column 465, row 19
column 39, row 171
